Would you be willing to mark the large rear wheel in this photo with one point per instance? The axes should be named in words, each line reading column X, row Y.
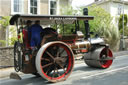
column 55, row 61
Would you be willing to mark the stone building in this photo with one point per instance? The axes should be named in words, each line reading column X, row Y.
column 39, row 7
column 45, row 7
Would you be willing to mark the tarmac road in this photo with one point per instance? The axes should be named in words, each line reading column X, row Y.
column 117, row 74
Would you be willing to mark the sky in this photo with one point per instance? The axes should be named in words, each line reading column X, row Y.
column 78, row 3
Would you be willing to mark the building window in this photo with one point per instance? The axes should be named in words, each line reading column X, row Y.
column 33, row 6
column 17, row 6
column 53, row 7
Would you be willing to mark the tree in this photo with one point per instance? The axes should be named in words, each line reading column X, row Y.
column 102, row 24
column 68, row 10
column 13, row 35
column 120, row 24
column 4, row 22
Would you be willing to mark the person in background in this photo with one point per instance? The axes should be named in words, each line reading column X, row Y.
column 34, row 31
column 28, row 24
column 26, row 38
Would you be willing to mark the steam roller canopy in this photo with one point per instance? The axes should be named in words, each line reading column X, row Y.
column 101, row 58
column 55, row 61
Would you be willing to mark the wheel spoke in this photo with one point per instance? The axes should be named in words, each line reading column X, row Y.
column 47, row 65
column 47, row 71
column 50, row 55
column 45, row 59
column 58, row 53
column 55, row 62
column 61, row 67
column 61, row 52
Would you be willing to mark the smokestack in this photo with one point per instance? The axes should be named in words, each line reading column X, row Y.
column 87, row 30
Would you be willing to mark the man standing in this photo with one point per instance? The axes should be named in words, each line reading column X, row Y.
column 34, row 32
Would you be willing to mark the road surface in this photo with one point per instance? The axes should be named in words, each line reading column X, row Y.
column 117, row 74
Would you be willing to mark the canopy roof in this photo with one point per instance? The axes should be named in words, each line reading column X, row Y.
column 49, row 19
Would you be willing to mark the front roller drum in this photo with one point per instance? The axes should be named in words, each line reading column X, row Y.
column 55, row 61
column 101, row 58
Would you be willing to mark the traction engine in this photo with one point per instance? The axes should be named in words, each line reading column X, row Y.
column 54, row 59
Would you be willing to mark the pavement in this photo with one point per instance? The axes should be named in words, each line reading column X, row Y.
column 120, row 53
column 5, row 72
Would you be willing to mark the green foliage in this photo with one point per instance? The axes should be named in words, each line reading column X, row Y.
column 12, row 41
column 5, row 21
column 120, row 24
column 2, row 43
column 68, row 10
column 102, row 19
column 125, row 31
column 102, row 24
column 13, row 36
column 12, row 31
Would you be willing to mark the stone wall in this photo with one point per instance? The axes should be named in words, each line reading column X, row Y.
column 126, row 44
column 6, row 56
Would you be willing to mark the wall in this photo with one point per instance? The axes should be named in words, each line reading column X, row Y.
column 112, row 8
column 25, row 6
column 6, row 56
column 105, row 6
column 5, row 7
column 64, row 3
column 44, row 7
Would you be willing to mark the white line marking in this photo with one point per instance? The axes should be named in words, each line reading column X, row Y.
column 121, row 56
column 105, row 72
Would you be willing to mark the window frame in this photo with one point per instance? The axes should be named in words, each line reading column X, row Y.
column 21, row 7
column 29, row 7
column 52, row 8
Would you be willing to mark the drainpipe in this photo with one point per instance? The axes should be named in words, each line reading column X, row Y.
column 123, row 27
column 7, row 35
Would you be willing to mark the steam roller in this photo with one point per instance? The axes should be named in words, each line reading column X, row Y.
column 55, row 65
column 99, row 58
column 54, row 58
